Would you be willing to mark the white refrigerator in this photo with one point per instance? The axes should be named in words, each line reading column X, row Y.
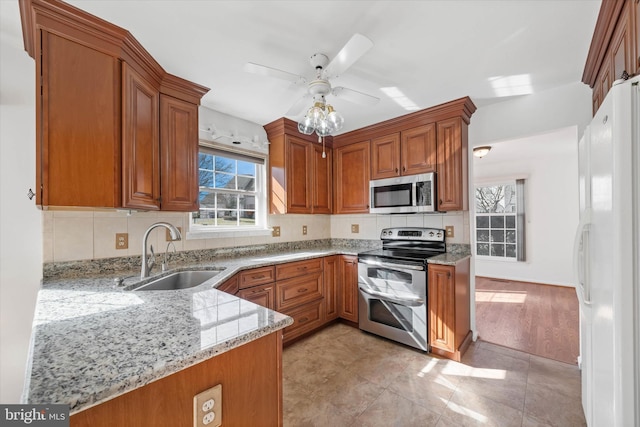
column 607, row 260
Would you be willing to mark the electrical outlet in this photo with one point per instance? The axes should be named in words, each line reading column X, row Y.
column 275, row 231
column 167, row 234
column 304, row 230
column 122, row 240
column 449, row 230
column 207, row 407
column 355, row 228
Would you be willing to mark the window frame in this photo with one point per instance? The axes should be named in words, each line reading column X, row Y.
column 261, row 227
column 518, row 215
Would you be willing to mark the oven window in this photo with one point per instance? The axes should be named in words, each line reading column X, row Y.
column 392, row 196
column 391, row 314
column 388, row 275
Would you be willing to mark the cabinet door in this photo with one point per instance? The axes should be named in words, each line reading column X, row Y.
column 441, row 304
column 263, row 295
column 452, row 165
column 352, row 178
column 178, row 155
column 331, row 281
column 622, row 45
column 140, row 148
column 322, row 180
column 385, row 156
column 348, row 289
column 78, row 125
column 419, row 150
column 230, row 286
column 298, row 171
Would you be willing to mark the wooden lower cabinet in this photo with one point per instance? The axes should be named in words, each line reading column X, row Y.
column 331, row 284
column 230, row 286
column 348, row 289
column 305, row 319
column 263, row 295
column 448, row 309
column 251, row 392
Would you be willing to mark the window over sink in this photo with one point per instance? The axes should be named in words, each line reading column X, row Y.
column 232, row 193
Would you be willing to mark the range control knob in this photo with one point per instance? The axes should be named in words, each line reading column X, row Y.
column 431, row 234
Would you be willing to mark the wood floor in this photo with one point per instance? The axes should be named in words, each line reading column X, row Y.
column 534, row 318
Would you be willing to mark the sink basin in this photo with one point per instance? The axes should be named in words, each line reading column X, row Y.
column 179, row 280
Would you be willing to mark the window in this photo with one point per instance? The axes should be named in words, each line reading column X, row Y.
column 232, row 191
column 500, row 220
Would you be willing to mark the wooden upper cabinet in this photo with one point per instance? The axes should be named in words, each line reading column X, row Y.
column 419, row 150
column 300, row 178
column 78, row 125
column 615, row 47
column 385, row 156
column 179, row 154
column 113, row 129
column 451, row 179
column 322, row 194
column 140, row 149
column 410, row 152
column 299, row 174
column 351, row 173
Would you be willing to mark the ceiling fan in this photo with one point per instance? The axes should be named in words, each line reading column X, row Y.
column 320, row 87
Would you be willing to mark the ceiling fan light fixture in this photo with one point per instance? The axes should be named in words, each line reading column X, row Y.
column 335, row 119
column 306, row 126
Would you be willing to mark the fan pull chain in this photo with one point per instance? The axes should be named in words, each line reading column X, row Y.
column 324, row 155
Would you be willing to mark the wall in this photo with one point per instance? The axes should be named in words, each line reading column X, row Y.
column 80, row 235
column 549, row 163
column 20, row 224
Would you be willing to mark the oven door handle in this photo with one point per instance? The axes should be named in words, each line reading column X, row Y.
column 410, row 302
column 391, row 265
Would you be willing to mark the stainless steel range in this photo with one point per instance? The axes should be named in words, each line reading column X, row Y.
column 392, row 284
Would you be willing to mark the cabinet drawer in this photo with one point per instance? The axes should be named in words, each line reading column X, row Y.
column 298, row 268
column 256, row 276
column 305, row 319
column 298, row 290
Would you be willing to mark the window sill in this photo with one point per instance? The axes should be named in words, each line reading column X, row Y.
column 228, row 232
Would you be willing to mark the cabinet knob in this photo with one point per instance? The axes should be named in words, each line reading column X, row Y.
column 396, row 170
column 404, row 169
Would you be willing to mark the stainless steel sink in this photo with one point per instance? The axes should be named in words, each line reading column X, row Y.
column 179, row 280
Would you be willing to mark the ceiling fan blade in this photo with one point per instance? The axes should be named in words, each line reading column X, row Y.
column 263, row 70
column 299, row 106
column 357, row 46
column 354, row 96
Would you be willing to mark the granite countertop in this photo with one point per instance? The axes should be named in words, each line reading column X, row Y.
column 93, row 341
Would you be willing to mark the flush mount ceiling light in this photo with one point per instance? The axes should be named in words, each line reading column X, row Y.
column 480, row 152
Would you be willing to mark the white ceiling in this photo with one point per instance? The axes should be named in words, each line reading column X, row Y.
column 432, row 51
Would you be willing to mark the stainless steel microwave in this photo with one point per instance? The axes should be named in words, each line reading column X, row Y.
column 404, row 194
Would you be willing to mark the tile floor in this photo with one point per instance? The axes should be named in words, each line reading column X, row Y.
column 342, row 377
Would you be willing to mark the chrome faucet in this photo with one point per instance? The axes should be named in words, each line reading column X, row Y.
column 147, row 265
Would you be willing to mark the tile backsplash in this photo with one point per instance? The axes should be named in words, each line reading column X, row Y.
column 82, row 235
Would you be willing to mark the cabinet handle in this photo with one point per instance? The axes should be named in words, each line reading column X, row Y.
column 449, row 274
column 30, row 194
column 303, row 319
column 301, row 290
column 258, row 277
column 302, row 268
column 404, row 169
column 396, row 170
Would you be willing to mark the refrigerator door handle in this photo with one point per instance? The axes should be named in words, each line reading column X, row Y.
column 580, row 257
